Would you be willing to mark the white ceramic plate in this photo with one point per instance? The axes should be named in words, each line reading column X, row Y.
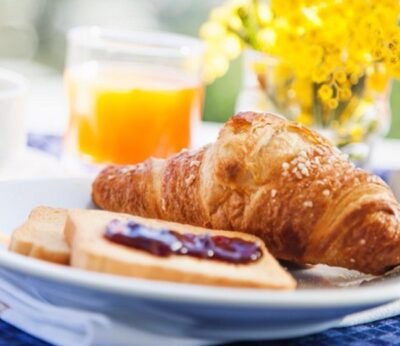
column 324, row 295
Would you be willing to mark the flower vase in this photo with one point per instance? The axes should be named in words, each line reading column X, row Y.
column 353, row 123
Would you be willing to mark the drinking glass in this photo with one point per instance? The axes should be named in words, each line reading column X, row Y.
column 131, row 94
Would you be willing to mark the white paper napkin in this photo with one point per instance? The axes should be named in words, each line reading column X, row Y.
column 372, row 315
column 65, row 326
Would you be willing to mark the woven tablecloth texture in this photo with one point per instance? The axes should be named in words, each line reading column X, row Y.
column 385, row 332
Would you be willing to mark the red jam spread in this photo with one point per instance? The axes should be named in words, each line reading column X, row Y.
column 163, row 242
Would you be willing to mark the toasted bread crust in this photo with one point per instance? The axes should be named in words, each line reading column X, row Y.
column 84, row 232
column 41, row 236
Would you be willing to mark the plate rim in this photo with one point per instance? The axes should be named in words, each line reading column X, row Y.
column 191, row 293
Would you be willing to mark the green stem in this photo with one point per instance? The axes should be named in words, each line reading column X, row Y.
column 317, row 107
column 357, row 90
column 248, row 18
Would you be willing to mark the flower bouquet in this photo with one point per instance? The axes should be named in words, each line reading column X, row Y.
column 325, row 63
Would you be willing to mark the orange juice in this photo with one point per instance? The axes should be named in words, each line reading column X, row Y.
column 125, row 113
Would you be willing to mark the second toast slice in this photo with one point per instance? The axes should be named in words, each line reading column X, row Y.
column 41, row 236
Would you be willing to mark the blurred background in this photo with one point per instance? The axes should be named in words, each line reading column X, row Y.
column 32, row 41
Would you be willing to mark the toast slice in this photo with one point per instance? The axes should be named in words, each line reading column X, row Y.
column 84, row 232
column 42, row 236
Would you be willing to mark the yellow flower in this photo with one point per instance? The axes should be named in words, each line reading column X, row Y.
column 216, row 64
column 354, row 78
column 231, row 46
column 320, row 75
column 340, row 77
column 302, row 93
column 328, row 42
column 325, row 92
column 357, row 133
column 344, row 93
column 212, row 30
column 332, row 103
column 266, row 38
column 264, row 13
column 378, row 53
column 378, row 81
column 234, row 22
column 311, row 13
column 219, row 64
column 393, row 59
column 305, row 118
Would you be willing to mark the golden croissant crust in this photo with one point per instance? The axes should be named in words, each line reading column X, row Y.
column 272, row 178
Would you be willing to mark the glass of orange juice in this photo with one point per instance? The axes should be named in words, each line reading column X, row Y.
column 131, row 95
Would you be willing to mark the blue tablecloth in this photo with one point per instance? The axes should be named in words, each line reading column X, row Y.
column 385, row 332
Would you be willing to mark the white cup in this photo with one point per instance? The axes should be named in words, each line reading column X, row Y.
column 13, row 94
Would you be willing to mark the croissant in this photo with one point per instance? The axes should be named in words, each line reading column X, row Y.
column 275, row 179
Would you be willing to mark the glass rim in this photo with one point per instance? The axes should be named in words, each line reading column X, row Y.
column 140, row 42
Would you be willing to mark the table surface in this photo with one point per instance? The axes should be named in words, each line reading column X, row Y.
column 385, row 332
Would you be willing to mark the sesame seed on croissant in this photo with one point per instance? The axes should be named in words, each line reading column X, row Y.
column 272, row 178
